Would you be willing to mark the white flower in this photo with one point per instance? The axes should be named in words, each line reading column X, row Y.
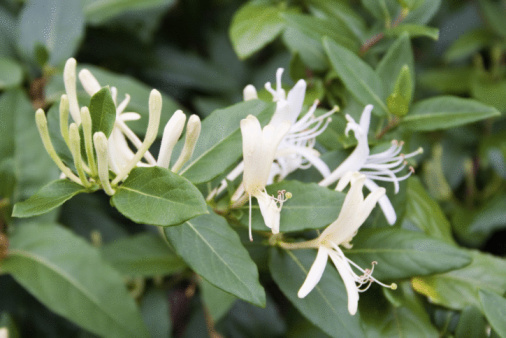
column 381, row 167
column 259, row 147
column 296, row 148
column 354, row 212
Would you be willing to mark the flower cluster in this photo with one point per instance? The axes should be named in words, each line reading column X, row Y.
column 112, row 153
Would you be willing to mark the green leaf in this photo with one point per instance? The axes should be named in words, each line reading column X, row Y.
column 489, row 91
column 253, row 26
column 156, row 313
column 138, row 91
column 103, row 112
column 49, row 197
column 217, row 302
column 397, row 56
column 449, row 80
column 402, row 254
column 57, row 25
column 494, row 307
column 145, row 255
column 157, row 196
column 8, row 102
column 219, row 145
column 100, row 11
column 398, row 102
column 317, row 206
column 490, row 217
column 7, row 177
column 459, row 288
column 95, row 295
column 424, row 13
column 425, row 213
column 357, row 76
column 214, row 251
column 11, row 73
column 327, row 305
column 309, row 49
column 445, row 112
column 468, row 44
column 413, row 31
column 471, row 323
column 493, row 13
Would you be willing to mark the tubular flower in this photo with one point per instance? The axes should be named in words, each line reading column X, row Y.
column 354, row 212
column 380, row 167
column 296, row 148
column 259, row 148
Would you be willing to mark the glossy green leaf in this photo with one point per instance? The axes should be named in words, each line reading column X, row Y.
column 327, row 305
column 317, row 206
column 414, row 31
column 494, row 307
column 219, row 145
column 217, row 301
column 471, row 323
column 11, row 73
column 49, row 197
column 357, row 76
column 253, row 26
column 310, row 50
column 103, row 112
column 445, row 112
column 95, row 295
column 425, row 213
column 157, row 196
column 390, row 66
column 401, row 253
column 138, row 91
column 459, row 288
column 100, row 11
column 57, row 25
column 214, row 251
column 144, row 255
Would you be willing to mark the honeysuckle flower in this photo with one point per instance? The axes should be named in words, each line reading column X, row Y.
column 354, row 212
column 259, row 148
column 296, row 148
column 376, row 167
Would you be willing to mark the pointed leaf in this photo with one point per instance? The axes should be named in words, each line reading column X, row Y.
column 357, row 76
column 47, row 198
column 445, row 112
column 211, row 248
column 219, row 145
column 99, row 12
column 69, row 277
column 157, row 196
column 11, row 73
column 413, row 31
column 327, row 305
column 103, row 112
column 401, row 253
column 494, row 307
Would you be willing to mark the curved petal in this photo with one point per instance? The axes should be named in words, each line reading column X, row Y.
column 295, row 100
column 384, row 203
column 315, row 273
column 270, row 211
column 344, row 269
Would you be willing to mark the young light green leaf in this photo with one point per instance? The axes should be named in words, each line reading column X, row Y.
column 413, row 31
column 57, row 25
column 398, row 102
column 47, row 198
column 103, row 112
column 357, row 76
column 11, row 73
column 144, row 255
column 317, row 206
column 98, row 12
column 157, row 196
column 494, row 307
column 445, row 112
column 219, row 144
column 402, row 254
column 95, row 294
column 214, row 251
column 253, row 26
column 326, row 305
column 459, row 288
column 425, row 213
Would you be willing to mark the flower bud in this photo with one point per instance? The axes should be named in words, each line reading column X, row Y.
column 171, row 134
column 192, row 135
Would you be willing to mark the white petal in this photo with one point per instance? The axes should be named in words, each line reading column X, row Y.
column 365, row 119
column 315, row 273
column 384, row 203
column 249, row 93
column 171, row 134
column 344, row 269
column 89, row 82
column 295, row 100
column 270, row 211
column 130, row 116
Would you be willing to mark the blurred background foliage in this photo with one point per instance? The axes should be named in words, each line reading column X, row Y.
column 184, row 49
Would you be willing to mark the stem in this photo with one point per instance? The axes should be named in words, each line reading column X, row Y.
column 391, row 125
column 311, row 244
column 378, row 37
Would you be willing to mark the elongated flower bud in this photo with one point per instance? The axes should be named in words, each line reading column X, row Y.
column 64, row 118
column 192, row 135
column 69, row 79
column 249, row 93
column 100, row 141
column 171, row 134
column 88, row 139
column 75, row 149
column 89, row 82
column 41, row 121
